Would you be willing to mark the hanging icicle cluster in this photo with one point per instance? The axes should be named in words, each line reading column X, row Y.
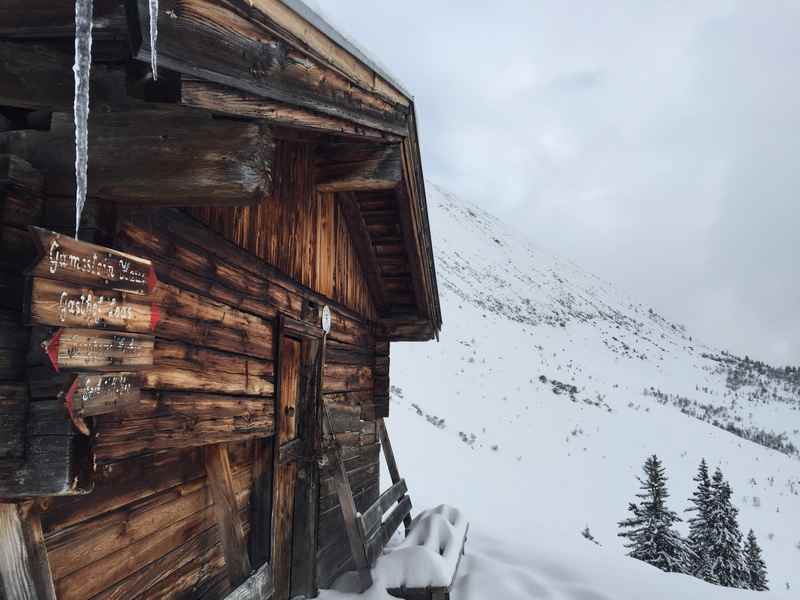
column 81, row 70
column 154, row 37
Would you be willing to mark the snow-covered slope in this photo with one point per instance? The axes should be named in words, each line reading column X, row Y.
column 547, row 390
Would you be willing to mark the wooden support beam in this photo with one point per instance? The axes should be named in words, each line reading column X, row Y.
column 285, row 18
column 24, row 567
column 232, row 44
column 45, row 19
column 366, row 253
column 220, row 480
column 388, row 454
column 227, row 100
column 231, row 162
column 38, row 76
column 411, row 245
column 359, row 167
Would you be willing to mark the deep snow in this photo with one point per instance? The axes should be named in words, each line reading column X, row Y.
column 486, row 420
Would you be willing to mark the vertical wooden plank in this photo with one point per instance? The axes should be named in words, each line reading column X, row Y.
column 24, row 567
column 355, row 536
column 325, row 252
column 388, row 454
column 304, row 568
column 288, row 393
column 261, row 501
column 220, row 480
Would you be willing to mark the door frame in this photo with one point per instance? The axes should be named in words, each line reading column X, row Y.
column 304, row 449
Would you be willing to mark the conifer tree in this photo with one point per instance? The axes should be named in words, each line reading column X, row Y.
column 756, row 567
column 700, row 534
column 650, row 533
column 727, row 566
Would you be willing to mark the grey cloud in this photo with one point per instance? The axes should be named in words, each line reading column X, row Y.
column 654, row 143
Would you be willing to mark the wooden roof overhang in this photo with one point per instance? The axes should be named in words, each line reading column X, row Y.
column 271, row 62
column 280, row 62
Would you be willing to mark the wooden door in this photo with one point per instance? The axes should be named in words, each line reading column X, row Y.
column 296, row 481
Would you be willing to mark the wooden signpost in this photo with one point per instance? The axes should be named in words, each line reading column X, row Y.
column 68, row 260
column 89, row 395
column 100, row 303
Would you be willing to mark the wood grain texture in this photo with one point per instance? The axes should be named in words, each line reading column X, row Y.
column 220, row 481
column 285, row 481
column 174, row 420
column 231, row 160
column 259, row 586
column 230, row 44
column 358, row 167
column 24, row 565
column 304, row 234
column 226, row 100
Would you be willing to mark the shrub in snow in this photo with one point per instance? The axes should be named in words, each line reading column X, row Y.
column 756, row 567
column 650, row 531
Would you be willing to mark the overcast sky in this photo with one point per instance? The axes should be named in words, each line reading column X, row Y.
column 657, row 144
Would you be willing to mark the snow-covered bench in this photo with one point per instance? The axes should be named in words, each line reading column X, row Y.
column 423, row 566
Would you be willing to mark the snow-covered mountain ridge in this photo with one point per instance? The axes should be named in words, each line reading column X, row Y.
column 548, row 388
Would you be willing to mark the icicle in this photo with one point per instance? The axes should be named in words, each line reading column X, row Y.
column 154, row 37
column 81, row 69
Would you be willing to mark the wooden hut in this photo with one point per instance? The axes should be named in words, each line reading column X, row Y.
column 169, row 393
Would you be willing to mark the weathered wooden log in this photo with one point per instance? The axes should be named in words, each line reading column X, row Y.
column 231, row 160
column 172, row 420
column 57, row 459
column 14, row 408
column 20, row 192
column 135, row 538
column 358, row 167
column 179, row 366
column 44, row 19
column 24, row 565
column 226, row 100
column 230, row 44
column 227, row 273
column 39, row 76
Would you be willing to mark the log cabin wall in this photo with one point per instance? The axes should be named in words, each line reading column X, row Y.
column 150, row 527
column 301, row 232
column 304, row 234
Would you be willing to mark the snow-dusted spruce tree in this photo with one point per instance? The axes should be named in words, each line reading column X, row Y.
column 728, row 567
column 756, row 567
column 700, row 533
column 650, row 532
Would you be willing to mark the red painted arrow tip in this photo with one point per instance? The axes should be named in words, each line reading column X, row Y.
column 51, row 348
column 155, row 316
column 152, row 279
column 70, row 397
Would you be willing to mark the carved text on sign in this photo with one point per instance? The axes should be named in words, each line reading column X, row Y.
column 57, row 303
column 86, row 349
column 67, row 259
column 97, row 394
